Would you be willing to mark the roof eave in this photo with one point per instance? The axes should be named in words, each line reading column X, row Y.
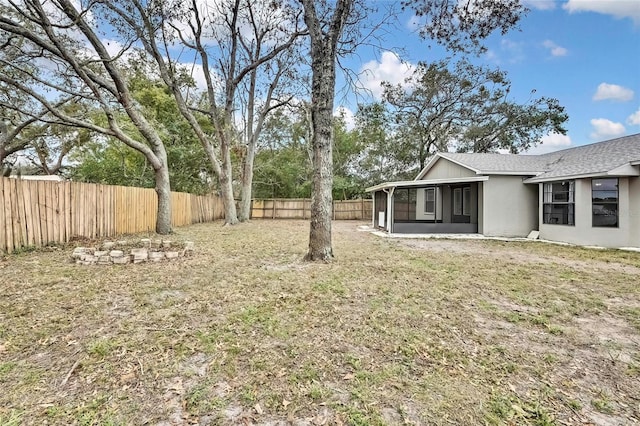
column 514, row 173
column 418, row 183
column 609, row 173
column 436, row 157
column 428, row 166
column 386, row 185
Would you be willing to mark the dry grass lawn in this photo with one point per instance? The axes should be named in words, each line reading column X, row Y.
column 391, row 332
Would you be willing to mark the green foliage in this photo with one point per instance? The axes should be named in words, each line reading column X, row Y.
column 283, row 161
column 458, row 106
column 109, row 161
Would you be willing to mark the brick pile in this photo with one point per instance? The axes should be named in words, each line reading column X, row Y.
column 122, row 252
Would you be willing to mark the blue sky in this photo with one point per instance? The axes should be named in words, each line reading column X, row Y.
column 585, row 53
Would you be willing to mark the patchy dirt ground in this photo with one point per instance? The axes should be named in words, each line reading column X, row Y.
column 391, row 332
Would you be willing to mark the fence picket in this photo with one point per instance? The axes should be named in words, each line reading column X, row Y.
column 36, row 213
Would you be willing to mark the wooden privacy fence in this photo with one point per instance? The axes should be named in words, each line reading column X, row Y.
column 300, row 208
column 35, row 213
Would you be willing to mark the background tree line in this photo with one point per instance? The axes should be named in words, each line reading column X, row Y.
column 105, row 91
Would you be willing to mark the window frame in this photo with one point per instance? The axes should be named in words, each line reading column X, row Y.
column 605, row 202
column 466, row 201
column 457, row 201
column 428, row 201
column 554, row 199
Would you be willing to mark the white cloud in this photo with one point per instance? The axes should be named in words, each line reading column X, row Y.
column 617, row 8
column 513, row 49
column 349, row 116
column 554, row 49
column 114, row 47
column 550, row 143
column 196, row 71
column 510, row 51
column 613, row 92
column 634, row 119
column 414, row 23
column 540, row 4
column 390, row 69
column 604, row 129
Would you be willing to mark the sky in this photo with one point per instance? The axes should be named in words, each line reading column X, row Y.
column 585, row 53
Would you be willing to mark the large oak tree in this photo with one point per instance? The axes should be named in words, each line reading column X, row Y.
column 75, row 63
column 246, row 50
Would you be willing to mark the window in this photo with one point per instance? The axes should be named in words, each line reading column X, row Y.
column 466, row 201
column 559, row 203
column 457, row 201
column 462, row 201
column 430, row 201
column 604, row 202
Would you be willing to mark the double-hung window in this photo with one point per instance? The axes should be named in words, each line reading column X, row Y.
column 604, row 202
column 430, row 201
column 559, row 203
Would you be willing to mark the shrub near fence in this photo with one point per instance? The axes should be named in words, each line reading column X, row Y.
column 35, row 213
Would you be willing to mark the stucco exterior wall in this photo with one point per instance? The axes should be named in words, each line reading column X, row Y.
column 509, row 207
column 445, row 169
column 627, row 234
column 420, row 205
column 480, row 207
column 634, row 212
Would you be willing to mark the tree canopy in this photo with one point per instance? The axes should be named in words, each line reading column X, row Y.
column 260, row 123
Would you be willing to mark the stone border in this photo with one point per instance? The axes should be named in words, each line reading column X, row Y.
column 121, row 252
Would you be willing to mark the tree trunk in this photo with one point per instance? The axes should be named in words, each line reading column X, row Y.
column 163, row 189
column 247, row 182
column 323, row 85
column 226, row 190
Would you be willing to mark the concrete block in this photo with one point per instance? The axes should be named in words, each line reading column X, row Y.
column 533, row 235
column 146, row 242
column 108, row 245
column 172, row 255
column 166, row 243
column 88, row 258
column 99, row 253
column 78, row 252
column 156, row 256
column 121, row 260
column 116, row 253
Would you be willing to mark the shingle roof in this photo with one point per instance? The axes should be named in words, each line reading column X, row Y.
column 593, row 159
column 497, row 163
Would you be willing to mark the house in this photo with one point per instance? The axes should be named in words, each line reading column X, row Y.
column 587, row 195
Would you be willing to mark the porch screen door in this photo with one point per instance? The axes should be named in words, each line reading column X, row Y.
column 461, row 201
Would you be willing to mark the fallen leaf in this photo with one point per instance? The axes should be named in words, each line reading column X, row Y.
column 285, row 403
column 258, row 409
column 128, row 377
column 349, row 376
